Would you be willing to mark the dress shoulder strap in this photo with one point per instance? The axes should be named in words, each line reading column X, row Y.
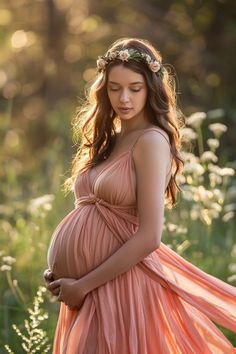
column 145, row 131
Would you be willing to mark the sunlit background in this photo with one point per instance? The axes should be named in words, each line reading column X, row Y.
column 48, row 56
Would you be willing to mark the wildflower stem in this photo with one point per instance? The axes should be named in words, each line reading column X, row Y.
column 10, row 283
column 20, row 294
column 200, row 141
column 208, row 237
column 16, row 292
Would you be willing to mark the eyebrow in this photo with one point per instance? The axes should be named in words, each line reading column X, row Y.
column 132, row 83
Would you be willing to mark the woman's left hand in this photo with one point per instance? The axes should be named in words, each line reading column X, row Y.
column 71, row 292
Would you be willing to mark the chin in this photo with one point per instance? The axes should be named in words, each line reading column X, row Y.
column 128, row 116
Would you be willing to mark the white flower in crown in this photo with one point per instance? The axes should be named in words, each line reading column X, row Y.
column 101, row 63
column 112, row 55
column 155, row 66
column 124, row 55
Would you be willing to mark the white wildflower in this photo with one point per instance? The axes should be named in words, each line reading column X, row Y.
column 8, row 259
column 195, row 212
column 202, row 194
column 209, row 156
column 194, row 168
column 233, row 251
column 183, row 246
column 44, row 202
column 171, row 227
column 195, row 119
column 213, row 213
column 226, row 171
column 232, row 278
column 181, row 230
column 188, row 156
column 218, row 129
column 187, row 194
column 189, row 179
column 217, row 207
column 213, row 143
column 214, row 168
column 218, row 195
column 214, row 179
column 188, row 133
column 204, row 197
column 232, row 267
column 228, row 216
column 5, row 268
column 206, row 217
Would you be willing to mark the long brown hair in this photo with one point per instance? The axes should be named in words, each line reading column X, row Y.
column 96, row 122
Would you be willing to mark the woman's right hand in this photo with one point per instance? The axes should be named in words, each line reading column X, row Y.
column 48, row 278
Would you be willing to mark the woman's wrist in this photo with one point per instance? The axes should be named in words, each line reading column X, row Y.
column 83, row 285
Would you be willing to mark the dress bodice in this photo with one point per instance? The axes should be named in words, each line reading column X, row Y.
column 116, row 181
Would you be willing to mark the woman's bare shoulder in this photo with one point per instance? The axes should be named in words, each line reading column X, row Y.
column 152, row 135
column 158, row 129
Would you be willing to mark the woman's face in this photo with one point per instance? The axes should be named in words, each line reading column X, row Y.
column 127, row 91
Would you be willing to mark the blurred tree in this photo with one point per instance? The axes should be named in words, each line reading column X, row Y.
column 49, row 51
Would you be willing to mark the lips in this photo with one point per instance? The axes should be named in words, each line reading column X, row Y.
column 124, row 110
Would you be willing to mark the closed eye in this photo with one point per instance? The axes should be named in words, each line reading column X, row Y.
column 133, row 90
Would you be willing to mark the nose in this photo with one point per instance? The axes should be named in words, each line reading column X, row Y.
column 124, row 96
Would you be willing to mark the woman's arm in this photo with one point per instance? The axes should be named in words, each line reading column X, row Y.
column 152, row 162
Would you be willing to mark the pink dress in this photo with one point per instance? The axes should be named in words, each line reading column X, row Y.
column 162, row 305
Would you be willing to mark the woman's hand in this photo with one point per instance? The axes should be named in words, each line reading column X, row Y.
column 48, row 278
column 70, row 291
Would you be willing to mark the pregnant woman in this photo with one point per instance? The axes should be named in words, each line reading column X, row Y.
column 122, row 290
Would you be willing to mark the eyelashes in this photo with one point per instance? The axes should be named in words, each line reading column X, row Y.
column 114, row 90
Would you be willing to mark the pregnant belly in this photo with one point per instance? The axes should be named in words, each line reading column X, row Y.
column 80, row 243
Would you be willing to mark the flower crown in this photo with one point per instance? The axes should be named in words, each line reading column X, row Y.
column 126, row 55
